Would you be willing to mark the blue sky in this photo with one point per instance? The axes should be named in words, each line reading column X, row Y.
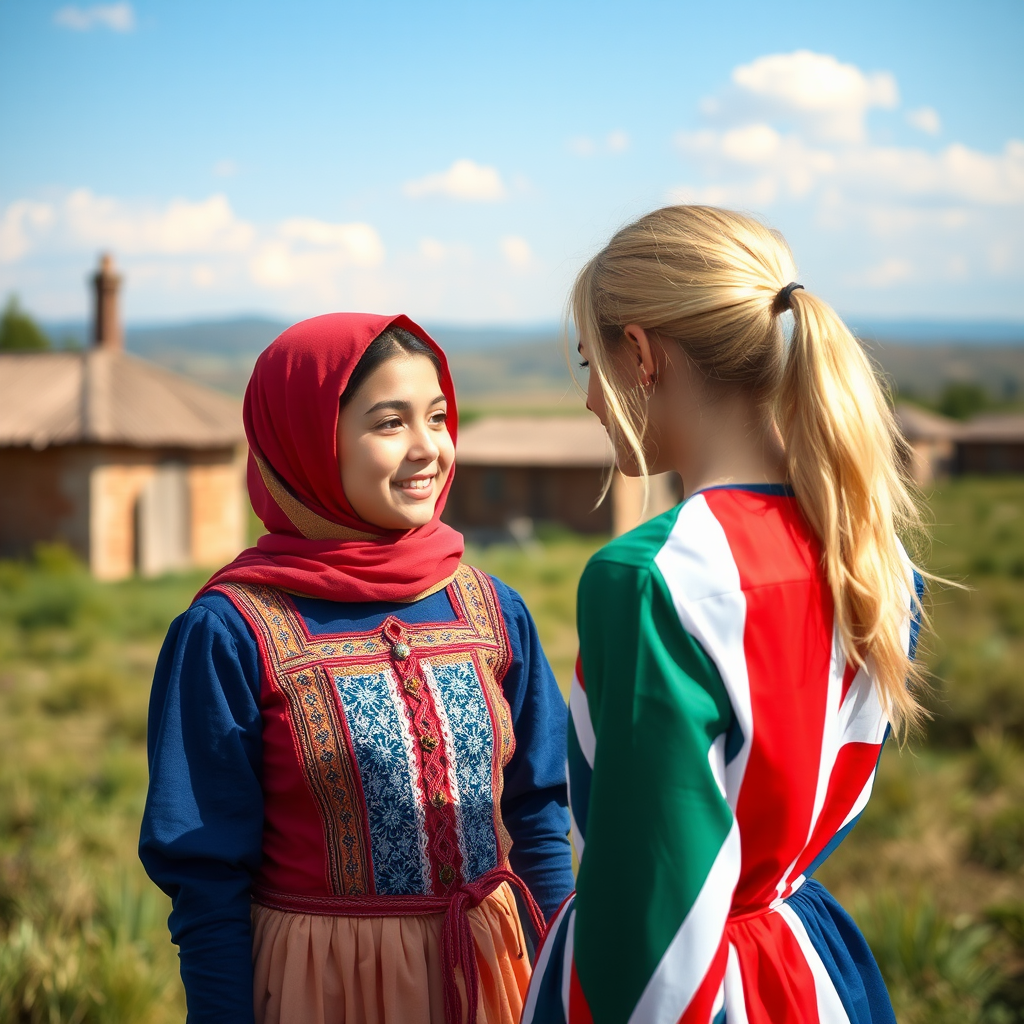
column 458, row 161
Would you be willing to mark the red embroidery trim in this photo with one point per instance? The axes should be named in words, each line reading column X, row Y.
column 289, row 652
column 440, row 822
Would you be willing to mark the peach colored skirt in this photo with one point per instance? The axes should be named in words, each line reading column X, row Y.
column 316, row 969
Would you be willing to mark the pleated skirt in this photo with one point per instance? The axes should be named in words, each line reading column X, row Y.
column 317, row 969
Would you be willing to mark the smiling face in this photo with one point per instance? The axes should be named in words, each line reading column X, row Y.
column 394, row 449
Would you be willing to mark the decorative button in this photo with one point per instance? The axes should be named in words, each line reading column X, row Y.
column 439, row 800
column 428, row 742
column 401, row 650
column 447, row 874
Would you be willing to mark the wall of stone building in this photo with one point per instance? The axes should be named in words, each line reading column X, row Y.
column 44, row 497
column 122, row 509
column 930, row 460
column 116, row 484
column 489, row 497
column 990, row 457
column 218, row 509
column 156, row 511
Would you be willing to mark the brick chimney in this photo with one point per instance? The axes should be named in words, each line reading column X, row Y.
column 107, row 333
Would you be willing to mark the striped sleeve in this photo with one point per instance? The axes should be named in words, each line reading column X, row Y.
column 649, row 719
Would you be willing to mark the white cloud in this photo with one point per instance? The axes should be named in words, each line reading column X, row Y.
column 921, row 219
column 202, row 245
column 20, row 220
column 895, row 220
column 957, row 267
column 465, row 180
column 225, row 168
column 313, row 255
column 517, row 252
column 432, row 250
column 891, row 271
column 133, row 228
column 617, row 141
column 831, row 150
column 1000, row 256
column 360, row 242
column 116, row 17
column 581, row 146
column 784, row 164
column 200, row 257
column 203, row 276
column 925, row 119
column 746, row 195
column 830, row 98
column 955, row 174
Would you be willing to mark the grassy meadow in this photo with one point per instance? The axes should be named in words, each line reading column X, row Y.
column 934, row 873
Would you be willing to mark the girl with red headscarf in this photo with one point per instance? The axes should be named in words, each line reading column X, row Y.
column 355, row 740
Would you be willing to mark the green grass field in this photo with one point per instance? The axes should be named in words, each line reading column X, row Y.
column 934, row 873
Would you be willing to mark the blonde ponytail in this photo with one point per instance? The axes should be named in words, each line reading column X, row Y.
column 843, row 453
column 709, row 280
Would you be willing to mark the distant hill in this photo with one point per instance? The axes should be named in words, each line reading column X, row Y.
column 528, row 363
column 253, row 334
column 940, row 332
column 923, row 371
column 221, row 353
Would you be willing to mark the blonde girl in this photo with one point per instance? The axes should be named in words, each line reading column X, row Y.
column 743, row 656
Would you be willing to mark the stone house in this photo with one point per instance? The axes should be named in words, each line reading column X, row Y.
column 517, row 470
column 135, row 468
column 991, row 444
column 932, row 441
column 988, row 444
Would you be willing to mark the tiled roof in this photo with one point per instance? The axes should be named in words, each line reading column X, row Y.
column 107, row 397
column 568, row 441
column 998, row 428
column 921, row 425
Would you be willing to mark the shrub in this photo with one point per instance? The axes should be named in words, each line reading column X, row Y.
column 998, row 841
column 86, row 689
column 41, row 978
column 938, row 971
column 996, row 759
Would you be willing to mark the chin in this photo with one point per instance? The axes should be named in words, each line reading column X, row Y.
column 410, row 521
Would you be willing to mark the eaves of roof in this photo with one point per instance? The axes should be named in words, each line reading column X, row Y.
column 53, row 398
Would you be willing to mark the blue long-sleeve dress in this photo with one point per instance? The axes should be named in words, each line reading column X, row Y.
column 305, row 751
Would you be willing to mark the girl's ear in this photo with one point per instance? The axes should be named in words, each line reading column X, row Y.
column 647, row 367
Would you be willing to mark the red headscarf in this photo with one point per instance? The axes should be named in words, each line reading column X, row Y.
column 317, row 544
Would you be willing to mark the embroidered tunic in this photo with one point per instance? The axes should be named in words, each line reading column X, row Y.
column 720, row 748
column 308, row 751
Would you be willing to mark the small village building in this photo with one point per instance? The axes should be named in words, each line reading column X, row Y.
column 991, row 444
column 931, row 440
column 514, row 471
column 135, row 468
column 986, row 445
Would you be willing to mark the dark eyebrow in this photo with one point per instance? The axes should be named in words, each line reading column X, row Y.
column 398, row 405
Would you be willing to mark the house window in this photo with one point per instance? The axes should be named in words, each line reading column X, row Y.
column 494, row 486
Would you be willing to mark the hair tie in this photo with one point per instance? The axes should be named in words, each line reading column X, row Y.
column 784, row 298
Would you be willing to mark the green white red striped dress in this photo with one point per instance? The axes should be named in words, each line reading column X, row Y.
column 720, row 748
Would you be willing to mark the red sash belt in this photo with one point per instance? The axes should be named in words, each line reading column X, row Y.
column 457, row 946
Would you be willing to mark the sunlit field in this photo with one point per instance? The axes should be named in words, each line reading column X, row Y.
column 933, row 873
